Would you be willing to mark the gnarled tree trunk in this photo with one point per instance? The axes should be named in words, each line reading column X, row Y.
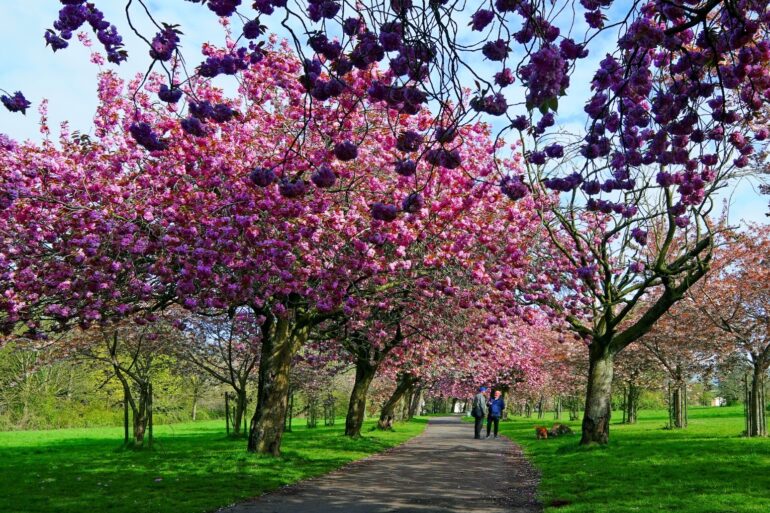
column 365, row 372
column 387, row 415
column 596, row 417
column 280, row 344
column 414, row 403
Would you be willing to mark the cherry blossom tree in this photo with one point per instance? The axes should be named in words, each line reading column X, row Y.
column 683, row 346
column 735, row 299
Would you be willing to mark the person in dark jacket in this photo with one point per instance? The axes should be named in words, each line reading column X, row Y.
column 496, row 407
column 479, row 410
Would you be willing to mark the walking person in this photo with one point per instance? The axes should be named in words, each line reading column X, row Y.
column 496, row 407
column 479, row 411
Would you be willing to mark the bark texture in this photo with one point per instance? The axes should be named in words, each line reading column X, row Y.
column 357, row 407
column 596, row 417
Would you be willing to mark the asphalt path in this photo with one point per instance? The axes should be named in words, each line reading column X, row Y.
column 444, row 470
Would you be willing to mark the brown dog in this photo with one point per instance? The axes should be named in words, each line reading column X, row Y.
column 541, row 432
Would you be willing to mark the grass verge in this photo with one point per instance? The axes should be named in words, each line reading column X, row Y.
column 706, row 468
column 193, row 467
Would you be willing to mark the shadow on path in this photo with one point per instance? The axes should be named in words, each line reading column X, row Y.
column 444, row 470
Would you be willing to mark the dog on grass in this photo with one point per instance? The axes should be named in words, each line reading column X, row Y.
column 541, row 432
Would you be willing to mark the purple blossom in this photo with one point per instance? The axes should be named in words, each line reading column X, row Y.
column 495, row 104
column 145, row 136
column 444, row 158
column 163, row 44
column 222, row 113
column 640, row 236
column 193, row 126
column 323, row 177
column 15, row 103
column 262, row 176
column 481, row 18
column 637, row 267
column 252, row 29
column 391, row 35
column 591, row 187
column 224, row 8
column 54, row 41
column 292, row 188
column 545, row 75
column 7, row 198
column 571, row 50
column 413, row 203
column 169, row 95
column 665, row 179
column 586, row 272
column 409, row 141
column 351, row 26
column 345, row 151
column 405, row 167
column 520, row 123
column 537, row 158
column 495, row 50
column 514, row 187
column 554, row 151
column 383, row 212
column 595, row 19
column 445, row 134
column 504, row 78
column 202, row 109
column 682, row 221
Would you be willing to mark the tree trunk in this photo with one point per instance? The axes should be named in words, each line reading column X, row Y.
column 387, row 415
column 195, row 407
column 414, row 404
column 632, row 403
column 679, row 403
column 756, row 406
column 240, row 410
column 365, row 372
column 141, row 416
column 596, row 417
column 279, row 346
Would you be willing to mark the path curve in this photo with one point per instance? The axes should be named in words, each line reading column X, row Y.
column 444, row 470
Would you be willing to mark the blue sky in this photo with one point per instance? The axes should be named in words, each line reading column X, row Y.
column 68, row 80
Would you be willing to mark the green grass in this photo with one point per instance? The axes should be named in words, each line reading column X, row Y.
column 706, row 468
column 193, row 467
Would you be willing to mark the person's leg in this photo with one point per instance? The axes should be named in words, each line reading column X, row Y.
column 489, row 425
column 477, row 426
column 497, row 425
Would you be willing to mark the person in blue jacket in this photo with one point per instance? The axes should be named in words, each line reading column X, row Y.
column 495, row 406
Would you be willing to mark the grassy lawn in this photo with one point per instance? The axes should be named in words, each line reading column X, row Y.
column 706, row 468
column 192, row 468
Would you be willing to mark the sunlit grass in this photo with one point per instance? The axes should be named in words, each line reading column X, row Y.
column 706, row 468
column 192, row 467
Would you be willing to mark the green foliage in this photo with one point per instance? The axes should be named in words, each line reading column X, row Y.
column 36, row 393
column 707, row 467
column 652, row 400
column 193, row 467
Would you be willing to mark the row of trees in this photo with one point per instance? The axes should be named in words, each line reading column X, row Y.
column 326, row 202
column 718, row 336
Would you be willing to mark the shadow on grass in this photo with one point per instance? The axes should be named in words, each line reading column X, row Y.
column 183, row 472
column 707, row 467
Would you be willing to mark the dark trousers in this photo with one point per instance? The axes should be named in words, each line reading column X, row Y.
column 477, row 427
column 490, row 420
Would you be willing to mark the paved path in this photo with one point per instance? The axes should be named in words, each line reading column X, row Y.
column 444, row 470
